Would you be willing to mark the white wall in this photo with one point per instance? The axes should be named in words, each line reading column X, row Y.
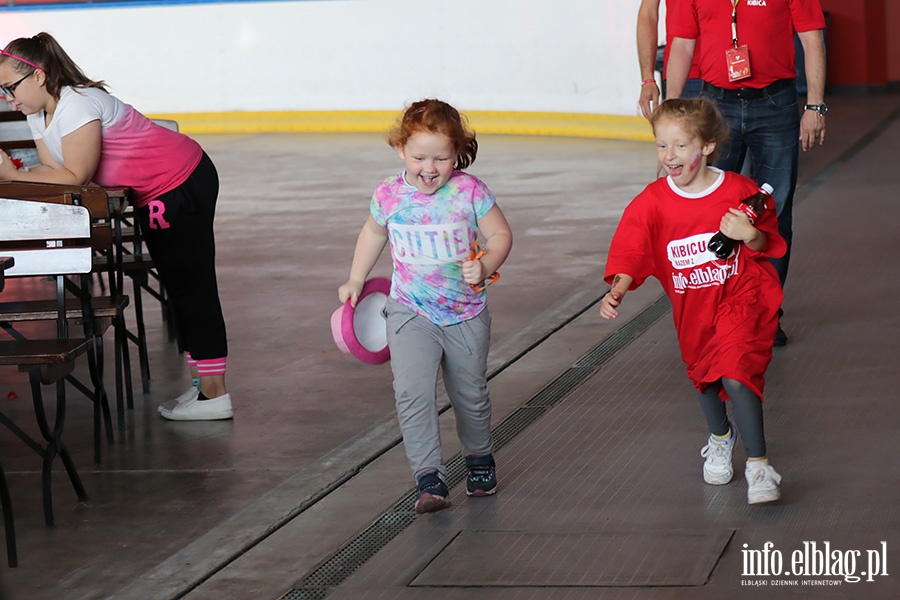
column 510, row 55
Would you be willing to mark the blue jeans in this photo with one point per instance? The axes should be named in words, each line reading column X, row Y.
column 770, row 129
column 691, row 88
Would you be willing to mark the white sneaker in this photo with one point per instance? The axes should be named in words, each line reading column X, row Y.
column 762, row 482
column 191, row 394
column 200, row 410
column 717, row 468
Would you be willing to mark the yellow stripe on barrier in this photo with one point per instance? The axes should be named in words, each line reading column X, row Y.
column 509, row 123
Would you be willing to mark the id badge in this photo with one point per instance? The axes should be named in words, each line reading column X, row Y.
column 738, row 60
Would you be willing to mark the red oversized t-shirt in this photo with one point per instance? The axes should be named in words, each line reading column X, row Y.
column 766, row 27
column 725, row 311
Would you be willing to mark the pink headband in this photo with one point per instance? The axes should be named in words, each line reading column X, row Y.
column 20, row 59
column 423, row 108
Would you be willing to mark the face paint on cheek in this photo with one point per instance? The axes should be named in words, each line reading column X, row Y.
column 696, row 161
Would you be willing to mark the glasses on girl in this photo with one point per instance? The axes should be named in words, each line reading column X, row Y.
column 10, row 90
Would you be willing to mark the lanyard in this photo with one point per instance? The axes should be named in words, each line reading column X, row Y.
column 734, row 23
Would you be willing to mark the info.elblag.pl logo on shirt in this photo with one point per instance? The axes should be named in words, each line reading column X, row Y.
column 813, row 564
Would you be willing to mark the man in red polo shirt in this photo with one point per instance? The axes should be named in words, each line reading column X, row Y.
column 746, row 63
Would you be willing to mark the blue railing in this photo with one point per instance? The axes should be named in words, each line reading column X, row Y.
column 14, row 5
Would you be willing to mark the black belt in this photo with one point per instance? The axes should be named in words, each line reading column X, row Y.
column 747, row 93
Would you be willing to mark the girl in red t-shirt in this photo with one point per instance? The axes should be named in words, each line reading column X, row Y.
column 725, row 310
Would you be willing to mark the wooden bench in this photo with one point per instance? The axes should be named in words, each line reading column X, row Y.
column 132, row 261
column 46, row 240
column 15, row 138
column 113, row 228
column 106, row 309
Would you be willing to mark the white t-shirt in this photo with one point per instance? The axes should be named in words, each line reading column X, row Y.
column 135, row 151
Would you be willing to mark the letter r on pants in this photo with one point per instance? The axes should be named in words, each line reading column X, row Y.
column 157, row 212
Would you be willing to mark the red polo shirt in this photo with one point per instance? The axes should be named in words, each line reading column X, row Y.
column 766, row 27
column 671, row 7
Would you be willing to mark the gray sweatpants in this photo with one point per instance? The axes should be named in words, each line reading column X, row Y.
column 418, row 347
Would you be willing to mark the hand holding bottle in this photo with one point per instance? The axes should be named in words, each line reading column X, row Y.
column 722, row 245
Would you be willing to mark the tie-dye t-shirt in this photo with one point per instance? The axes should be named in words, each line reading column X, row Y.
column 430, row 237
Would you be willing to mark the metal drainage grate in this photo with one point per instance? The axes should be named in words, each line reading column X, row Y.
column 559, row 387
column 627, row 334
column 515, row 423
column 321, row 582
column 358, row 551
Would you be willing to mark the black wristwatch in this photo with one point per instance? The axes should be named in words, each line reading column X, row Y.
column 819, row 108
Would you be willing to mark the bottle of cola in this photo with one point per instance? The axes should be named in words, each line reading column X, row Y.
column 722, row 245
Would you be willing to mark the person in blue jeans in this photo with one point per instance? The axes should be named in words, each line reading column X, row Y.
column 747, row 64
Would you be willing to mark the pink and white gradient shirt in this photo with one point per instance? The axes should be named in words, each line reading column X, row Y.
column 135, row 151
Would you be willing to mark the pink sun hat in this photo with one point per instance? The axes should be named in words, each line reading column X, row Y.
column 361, row 330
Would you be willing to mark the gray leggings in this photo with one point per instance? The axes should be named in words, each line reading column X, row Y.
column 747, row 409
column 418, row 348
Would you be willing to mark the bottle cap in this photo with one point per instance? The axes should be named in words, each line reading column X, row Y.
column 767, row 188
